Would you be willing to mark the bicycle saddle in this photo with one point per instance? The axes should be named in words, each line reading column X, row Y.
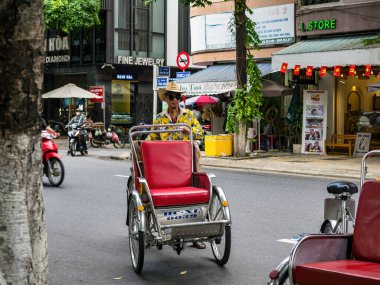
column 340, row 187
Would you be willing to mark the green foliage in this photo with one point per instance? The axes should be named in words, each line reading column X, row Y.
column 67, row 15
column 297, row 124
column 368, row 42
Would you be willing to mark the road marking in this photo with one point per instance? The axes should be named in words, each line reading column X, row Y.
column 117, row 175
column 286, row 240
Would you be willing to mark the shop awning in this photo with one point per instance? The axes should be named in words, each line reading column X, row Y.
column 328, row 52
column 215, row 79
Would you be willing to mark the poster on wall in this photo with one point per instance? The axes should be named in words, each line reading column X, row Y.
column 362, row 142
column 314, row 121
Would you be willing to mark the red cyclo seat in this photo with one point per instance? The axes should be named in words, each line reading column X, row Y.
column 167, row 169
column 347, row 272
column 364, row 269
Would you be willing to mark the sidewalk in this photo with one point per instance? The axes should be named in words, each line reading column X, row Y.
column 329, row 166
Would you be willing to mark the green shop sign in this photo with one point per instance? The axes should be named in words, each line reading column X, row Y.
column 318, row 25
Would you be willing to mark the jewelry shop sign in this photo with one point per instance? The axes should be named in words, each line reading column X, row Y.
column 147, row 61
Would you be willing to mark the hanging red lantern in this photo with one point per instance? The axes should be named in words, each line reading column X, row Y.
column 367, row 70
column 284, row 67
column 351, row 70
column 309, row 70
column 323, row 71
column 297, row 69
column 337, row 70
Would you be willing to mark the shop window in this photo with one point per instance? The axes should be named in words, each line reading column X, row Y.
column 87, row 46
column 123, row 95
column 183, row 28
column 75, row 46
column 100, row 41
column 138, row 24
column 140, row 42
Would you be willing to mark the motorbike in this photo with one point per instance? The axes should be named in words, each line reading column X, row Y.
column 102, row 137
column 53, row 166
column 77, row 139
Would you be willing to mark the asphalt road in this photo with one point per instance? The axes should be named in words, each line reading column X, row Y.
column 88, row 239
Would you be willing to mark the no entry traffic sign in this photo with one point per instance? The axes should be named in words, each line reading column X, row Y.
column 183, row 60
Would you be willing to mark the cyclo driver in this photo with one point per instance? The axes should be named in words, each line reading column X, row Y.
column 174, row 114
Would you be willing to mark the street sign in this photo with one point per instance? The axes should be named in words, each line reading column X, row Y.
column 163, row 71
column 183, row 60
column 161, row 81
column 183, row 74
column 99, row 91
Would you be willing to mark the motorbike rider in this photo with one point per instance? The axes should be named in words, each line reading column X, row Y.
column 79, row 119
column 174, row 114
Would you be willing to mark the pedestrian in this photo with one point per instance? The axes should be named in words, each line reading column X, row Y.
column 174, row 114
column 196, row 112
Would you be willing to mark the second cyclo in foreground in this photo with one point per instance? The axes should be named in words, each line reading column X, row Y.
column 169, row 203
column 339, row 258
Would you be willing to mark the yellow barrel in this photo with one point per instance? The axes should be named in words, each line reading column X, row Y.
column 219, row 145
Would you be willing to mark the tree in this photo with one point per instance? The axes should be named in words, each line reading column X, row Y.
column 68, row 15
column 245, row 105
column 23, row 238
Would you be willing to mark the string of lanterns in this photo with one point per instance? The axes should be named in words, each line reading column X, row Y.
column 323, row 70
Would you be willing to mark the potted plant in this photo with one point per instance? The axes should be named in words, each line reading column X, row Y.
column 297, row 129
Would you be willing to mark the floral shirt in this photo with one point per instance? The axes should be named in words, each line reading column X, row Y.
column 185, row 116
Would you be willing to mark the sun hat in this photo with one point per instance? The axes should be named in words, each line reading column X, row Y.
column 170, row 87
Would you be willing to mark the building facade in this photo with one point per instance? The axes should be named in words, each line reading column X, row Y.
column 213, row 45
column 334, row 44
column 116, row 58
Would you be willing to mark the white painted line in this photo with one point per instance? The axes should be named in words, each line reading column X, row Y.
column 122, row 175
column 286, row 240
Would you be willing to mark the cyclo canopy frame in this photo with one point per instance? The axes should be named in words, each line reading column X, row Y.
column 159, row 128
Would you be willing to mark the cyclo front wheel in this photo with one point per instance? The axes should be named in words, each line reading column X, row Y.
column 136, row 239
column 221, row 246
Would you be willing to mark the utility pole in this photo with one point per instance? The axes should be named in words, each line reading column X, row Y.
column 155, row 72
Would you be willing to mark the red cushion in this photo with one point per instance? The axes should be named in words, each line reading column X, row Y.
column 338, row 272
column 366, row 242
column 167, row 164
column 179, row 196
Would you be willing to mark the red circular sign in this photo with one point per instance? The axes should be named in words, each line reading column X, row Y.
column 183, row 60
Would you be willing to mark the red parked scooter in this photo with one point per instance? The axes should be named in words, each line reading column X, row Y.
column 53, row 166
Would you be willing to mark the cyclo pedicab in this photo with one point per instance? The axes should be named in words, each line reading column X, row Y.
column 345, row 258
column 169, row 203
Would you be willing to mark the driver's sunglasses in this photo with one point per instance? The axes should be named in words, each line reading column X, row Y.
column 171, row 96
